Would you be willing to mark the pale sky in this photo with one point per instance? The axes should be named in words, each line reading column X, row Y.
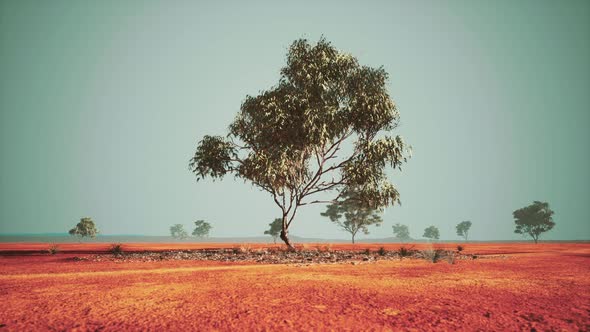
column 102, row 104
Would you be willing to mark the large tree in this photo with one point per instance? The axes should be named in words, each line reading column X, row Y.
column 357, row 216
column 177, row 231
column 275, row 229
column 401, row 232
column 323, row 127
column 533, row 220
column 463, row 229
column 85, row 228
column 202, row 228
column 431, row 232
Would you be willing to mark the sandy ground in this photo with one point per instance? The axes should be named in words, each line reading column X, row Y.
column 542, row 287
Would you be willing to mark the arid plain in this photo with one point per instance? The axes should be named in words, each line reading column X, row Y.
column 509, row 287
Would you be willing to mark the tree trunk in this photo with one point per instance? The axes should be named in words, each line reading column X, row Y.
column 352, row 238
column 285, row 238
column 285, row 234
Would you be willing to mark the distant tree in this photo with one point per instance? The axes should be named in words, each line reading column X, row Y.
column 357, row 217
column 289, row 140
column 401, row 232
column 85, row 228
column 463, row 229
column 533, row 220
column 202, row 228
column 177, row 231
column 275, row 229
column 431, row 233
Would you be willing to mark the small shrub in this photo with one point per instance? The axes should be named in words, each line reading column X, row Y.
column 432, row 255
column 450, row 257
column 381, row 251
column 244, row 248
column 53, row 249
column 404, row 252
column 327, row 247
column 367, row 251
column 116, row 249
column 304, row 247
column 460, row 248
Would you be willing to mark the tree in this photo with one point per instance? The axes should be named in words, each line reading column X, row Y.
column 275, row 229
column 401, row 232
column 289, row 141
column 533, row 220
column 463, row 229
column 85, row 228
column 357, row 216
column 202, row 228
column 177, row 231
column 431, row 233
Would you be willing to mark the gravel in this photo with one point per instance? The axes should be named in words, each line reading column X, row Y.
column 266, row 256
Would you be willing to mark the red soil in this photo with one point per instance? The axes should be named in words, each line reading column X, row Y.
column 547, row 288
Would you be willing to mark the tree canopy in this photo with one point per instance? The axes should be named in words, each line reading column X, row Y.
column 202, row 228
column 177, row 231
column 431, row 232
column 357, row 217
column 533, row 220
column 463, row 229
column 401, row 232
column 288, row 140
column 85, row 228
column 275, row 229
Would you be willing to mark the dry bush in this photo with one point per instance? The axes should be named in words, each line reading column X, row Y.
column 244, row 248
column 116, row 249
column 403, row 251
column 53, row 249
column 450, row 256
column 302, row 247
column 432, row 254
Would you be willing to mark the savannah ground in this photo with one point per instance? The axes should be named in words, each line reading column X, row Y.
column 510, row 286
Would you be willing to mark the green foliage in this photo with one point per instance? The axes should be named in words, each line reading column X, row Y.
column 275, row 229
column 177, row 231
column 288, row 140
column 116, row 249
column 431, row 232
column 213, row 157
column 357, row 217
column 463, row 229
column 401, row 232
column 202, row 228
column 533, row 220
column 85, row 228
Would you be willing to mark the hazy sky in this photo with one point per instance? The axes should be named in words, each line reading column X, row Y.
column 102, row 104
